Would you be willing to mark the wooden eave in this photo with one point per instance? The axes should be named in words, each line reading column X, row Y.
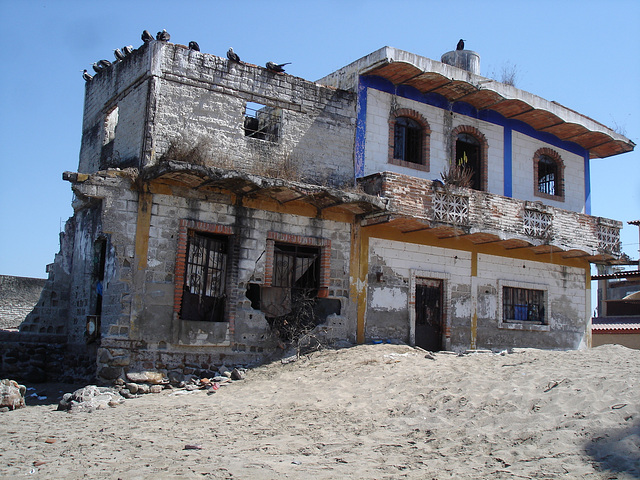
column 484, row 94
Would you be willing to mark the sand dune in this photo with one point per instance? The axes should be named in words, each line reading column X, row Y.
column 371, row 411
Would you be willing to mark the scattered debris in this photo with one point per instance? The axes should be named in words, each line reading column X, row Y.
column 11, row 395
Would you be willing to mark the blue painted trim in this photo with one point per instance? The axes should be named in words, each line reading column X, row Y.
column 361, row 129
column 587, row 184
column 508, row 162
column 463, row 108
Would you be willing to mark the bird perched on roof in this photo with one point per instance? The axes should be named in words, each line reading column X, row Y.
column 86, row 76
column 233, row 56
column 97, row 67
column 194, row 46
column 276, row 67
column 118, row 54
column 163, row 36
column 146, row 36
column 105, row 63
column 127, row 50
column 460, row 45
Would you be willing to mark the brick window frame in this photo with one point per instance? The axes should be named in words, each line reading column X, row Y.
column 426, row 139
column 325, row 257
column 559, row 181
column 484, row 149
column 181, row 262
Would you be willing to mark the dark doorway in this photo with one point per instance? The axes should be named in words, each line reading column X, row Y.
column 429, row 314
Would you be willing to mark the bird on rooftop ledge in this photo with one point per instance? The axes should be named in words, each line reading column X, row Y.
column 146, row 36
column 276, row 67
column 163, row 36
column 194, row 46
column 460, row 45
column 86, row 76
column 233, row 56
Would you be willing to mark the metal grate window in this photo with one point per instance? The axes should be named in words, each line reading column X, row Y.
column 547, row 175
column 296, row 267
column 523, row 304
column 205, row 278
column 407, row 144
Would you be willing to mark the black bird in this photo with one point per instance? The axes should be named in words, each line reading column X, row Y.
column 86, row 76
column 97, row 67
column 105, row 63
column 163, row 36
column 118, row 54
column 194, row 46
column 460, row 45
column 276, row 67
column 233, row 56
column 146, row 36
column 127, row 50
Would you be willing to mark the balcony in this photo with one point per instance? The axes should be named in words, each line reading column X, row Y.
column 416, row 204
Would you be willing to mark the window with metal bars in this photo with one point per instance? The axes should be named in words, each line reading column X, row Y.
column 204, row 297
column 296, row 267
column 407, row 145
column 523, row 304
column 547, row 175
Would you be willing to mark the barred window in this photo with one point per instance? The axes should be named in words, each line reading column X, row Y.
column 523, row 304
column 547, row 175
column 262, row 122
column 204, row 296
column 407, row 145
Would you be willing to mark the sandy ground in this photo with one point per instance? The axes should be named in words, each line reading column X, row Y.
column 371, row 411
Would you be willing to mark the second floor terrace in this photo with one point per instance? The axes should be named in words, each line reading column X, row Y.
column 448, row 211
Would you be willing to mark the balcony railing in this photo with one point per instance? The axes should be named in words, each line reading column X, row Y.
column 418, row 204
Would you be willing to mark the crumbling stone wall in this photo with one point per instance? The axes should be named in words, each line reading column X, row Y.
column 18, row 296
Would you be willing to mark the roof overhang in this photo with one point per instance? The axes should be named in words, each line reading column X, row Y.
column 206, row 179
column 457, row 85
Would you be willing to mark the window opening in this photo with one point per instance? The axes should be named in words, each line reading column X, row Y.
column 407, row 145
column 290, row 303
column 204, row 297
column 262, row 122
column 547, row 175
column 468, row 155
column 110, row 125
column 523, row 304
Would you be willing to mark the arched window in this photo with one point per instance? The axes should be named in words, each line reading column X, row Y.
column 407, row 144
column 547, row 175
column 548, row 171
column 409, row 139
column 469, row 155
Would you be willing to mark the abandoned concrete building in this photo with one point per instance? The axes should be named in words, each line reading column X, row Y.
column 216, row 203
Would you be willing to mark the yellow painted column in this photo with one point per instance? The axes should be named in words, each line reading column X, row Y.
column 359, row 268
column 143, row 224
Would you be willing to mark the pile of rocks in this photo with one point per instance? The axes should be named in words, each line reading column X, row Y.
column 140, row 383
column 11, row 395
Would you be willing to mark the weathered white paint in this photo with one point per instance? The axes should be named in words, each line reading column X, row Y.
column 388, row 299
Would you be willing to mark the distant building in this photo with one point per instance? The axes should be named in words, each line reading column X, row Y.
column 618, row 319
column 220, row 209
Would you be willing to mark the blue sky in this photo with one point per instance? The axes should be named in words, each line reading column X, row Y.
column 582, row 54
